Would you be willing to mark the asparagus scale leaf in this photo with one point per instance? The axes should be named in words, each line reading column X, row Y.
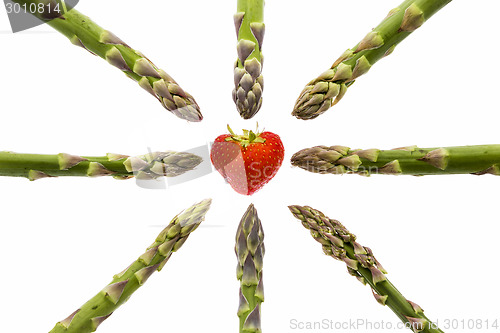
column 478, row 160
column 340, row 244
column 83, row 32
column 149, row 166
column 90, row 315
column 250, row 253
column 329, row 88
column 248, row 79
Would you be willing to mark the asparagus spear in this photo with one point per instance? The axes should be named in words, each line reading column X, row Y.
column 250, row 252
column 340, row 244
column 82, row 31
column 329, row 88
column 478, row 160
column 90, row 315
column 248, row 79
column 149, row 166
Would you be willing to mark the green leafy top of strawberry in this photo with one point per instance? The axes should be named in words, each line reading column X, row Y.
column 248, row 161
column 246, row 139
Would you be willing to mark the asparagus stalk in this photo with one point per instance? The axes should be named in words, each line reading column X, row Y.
column 82, row 31
column 329, row 88
column 90, row 315
column 478, row 160
column 149, row 166
column 250, row 252
column 340, row 244
column 248, row 79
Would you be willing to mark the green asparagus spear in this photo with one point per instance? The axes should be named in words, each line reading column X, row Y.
column 90, row 315
column 329, row 88
column 149, row 166
column 248, row 79
column 82, row 31
column 340, row 244
column 478, row 160
column 250, row 252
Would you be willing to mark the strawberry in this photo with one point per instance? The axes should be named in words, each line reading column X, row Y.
column 249, row 161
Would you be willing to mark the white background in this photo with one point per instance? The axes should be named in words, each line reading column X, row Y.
column 61, row 240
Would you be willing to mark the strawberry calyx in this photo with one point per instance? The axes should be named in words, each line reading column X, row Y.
column 247, row 138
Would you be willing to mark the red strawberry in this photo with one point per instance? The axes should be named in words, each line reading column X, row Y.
column 249, row 161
